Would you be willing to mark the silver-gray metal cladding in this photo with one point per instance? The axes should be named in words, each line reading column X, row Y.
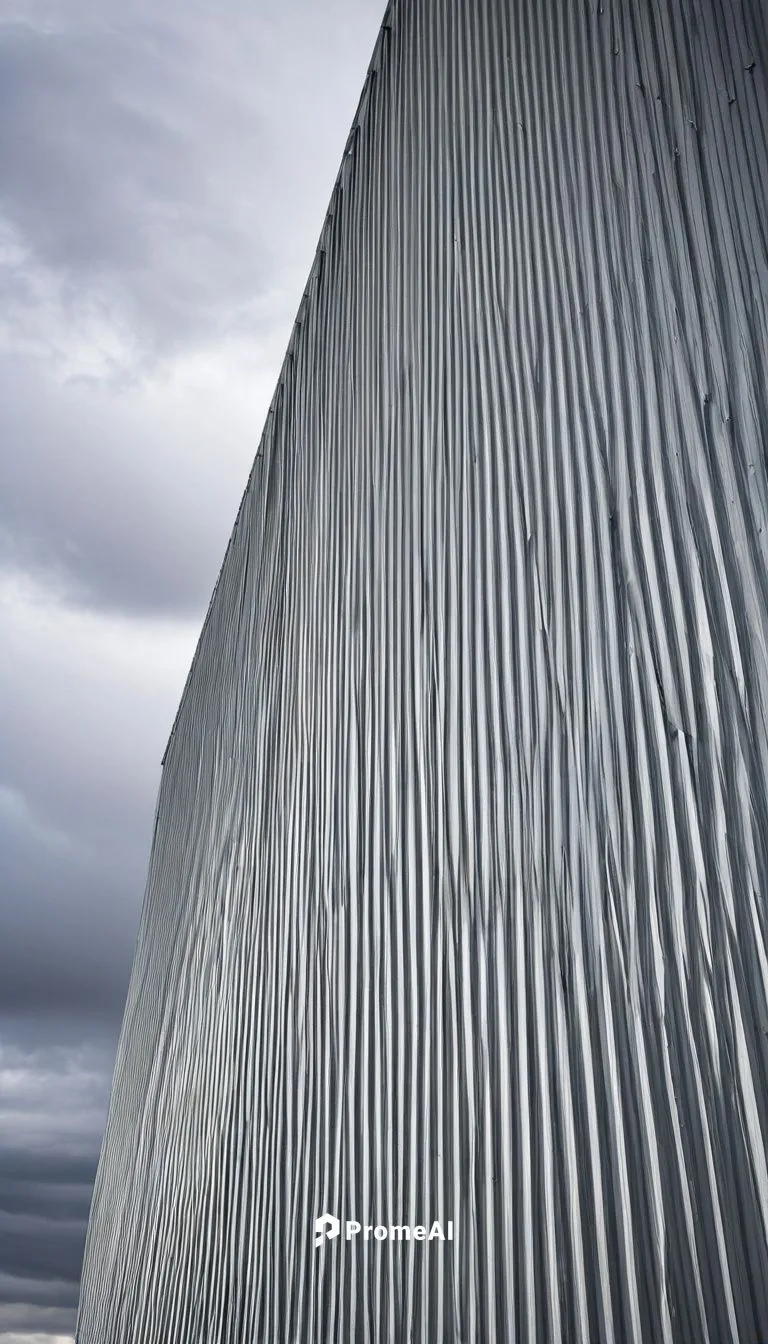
column 457, row 906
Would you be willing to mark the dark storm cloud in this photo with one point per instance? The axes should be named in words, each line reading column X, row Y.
column 52, row 1103
column 67, row 1202
column 42, row 1291
column 29, row 1247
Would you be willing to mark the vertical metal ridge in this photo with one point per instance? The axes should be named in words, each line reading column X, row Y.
column 456, row 905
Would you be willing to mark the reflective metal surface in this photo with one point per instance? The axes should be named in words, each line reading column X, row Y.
column 456, row 906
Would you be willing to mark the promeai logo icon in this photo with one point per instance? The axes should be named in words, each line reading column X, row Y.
column 326, row 1227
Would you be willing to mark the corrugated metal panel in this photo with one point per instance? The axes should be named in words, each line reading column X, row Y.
column 457, row 898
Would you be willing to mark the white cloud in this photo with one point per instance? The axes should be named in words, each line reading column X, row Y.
column 34, row 1338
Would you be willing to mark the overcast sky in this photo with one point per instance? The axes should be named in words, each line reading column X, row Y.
column 163, row 182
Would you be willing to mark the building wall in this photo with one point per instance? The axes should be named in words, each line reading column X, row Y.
column 456, row 906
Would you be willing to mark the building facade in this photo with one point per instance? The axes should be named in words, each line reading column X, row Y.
column 457, row 900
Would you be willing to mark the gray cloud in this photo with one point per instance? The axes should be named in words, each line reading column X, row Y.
column 113, row 511
column 36, row 1325
column 52, row 1105
column 113, row 181
column 59, row 953
column 148, row 158
column 162, row 187
column 36, row 1198
column 29, row 1246
column 85, row 709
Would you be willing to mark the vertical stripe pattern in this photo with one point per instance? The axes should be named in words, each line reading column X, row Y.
column 457, row 899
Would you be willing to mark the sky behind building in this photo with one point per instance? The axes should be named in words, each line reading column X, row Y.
column 163, row 182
